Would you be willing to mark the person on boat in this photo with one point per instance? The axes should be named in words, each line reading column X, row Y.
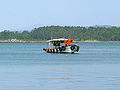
column 67, row 42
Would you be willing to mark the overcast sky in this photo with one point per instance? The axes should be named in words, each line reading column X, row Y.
column 27, row 14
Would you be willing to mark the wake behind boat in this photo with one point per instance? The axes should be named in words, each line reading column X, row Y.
column 61, row 45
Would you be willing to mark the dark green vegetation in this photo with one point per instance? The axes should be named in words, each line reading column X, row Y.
column 74, row 32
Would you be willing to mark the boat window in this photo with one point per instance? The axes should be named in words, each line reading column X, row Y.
column 56, row 43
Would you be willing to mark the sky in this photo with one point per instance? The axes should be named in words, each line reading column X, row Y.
column 28, row 14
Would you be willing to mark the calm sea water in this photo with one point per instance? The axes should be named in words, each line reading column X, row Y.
column 25, row 66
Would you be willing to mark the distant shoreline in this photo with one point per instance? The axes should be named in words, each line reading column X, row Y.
column 20, row 41
column 5, row 41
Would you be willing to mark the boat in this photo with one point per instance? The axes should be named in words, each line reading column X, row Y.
column 61, row 45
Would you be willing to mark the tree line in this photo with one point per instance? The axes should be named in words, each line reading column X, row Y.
column 75, row 32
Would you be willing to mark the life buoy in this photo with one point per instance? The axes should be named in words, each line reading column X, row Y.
column 47, row 50
column 72, row 47
column 53, row 50
column 63, row 48
column 77, row 48
column 50, row 50
column 60, row 48
column 56, row 50
column 44, row 49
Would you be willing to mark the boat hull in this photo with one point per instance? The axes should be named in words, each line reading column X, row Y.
column 63, row 49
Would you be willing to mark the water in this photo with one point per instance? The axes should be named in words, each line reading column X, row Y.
column 25, row 66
